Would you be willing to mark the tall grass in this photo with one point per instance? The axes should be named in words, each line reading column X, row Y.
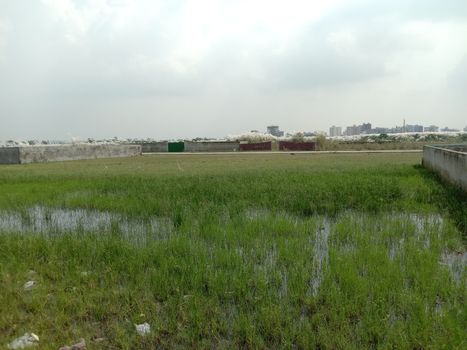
column 257, row 251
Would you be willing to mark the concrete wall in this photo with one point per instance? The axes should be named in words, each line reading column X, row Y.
column 447, row 162
column 155, row 147
column 458, row 148
column 212, row 146
column 54, row 153
column 260, row 146
column 9, row 155
column 296, row 146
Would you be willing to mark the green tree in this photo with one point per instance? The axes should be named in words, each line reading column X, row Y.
column 321, row 142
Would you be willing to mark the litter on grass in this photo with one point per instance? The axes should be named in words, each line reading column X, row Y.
column 26, row 341
column 29, row 285
column 143, row 329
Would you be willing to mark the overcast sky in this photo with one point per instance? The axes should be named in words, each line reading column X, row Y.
column 188, row 68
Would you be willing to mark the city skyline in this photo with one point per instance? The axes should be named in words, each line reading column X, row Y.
column 279, row 131
column 368, row 128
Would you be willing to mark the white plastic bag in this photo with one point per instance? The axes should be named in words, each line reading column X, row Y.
column 143, row 329
column 25, row 341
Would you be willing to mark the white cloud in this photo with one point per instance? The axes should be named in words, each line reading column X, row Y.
column 206, row 22
column 77, row 21
column 248, row 59
column 343, row 41
column 432, row 50
column 112, row 15
column 4, row 31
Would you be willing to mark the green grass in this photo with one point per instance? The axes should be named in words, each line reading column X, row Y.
column 255, row 251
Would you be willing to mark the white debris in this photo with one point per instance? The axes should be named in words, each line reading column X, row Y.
column 81, row 345
column 29, row 285
column 143, row 329
column 25, row 341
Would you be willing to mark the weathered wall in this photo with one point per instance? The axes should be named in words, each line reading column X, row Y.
column 458, row 148
column 450, row 164
column 54, row 153
column 155, row 147
column 9, row 155
column 214, row 146
column 261, row 146
column 296, row 146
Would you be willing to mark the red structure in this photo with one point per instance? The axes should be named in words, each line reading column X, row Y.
column 296, row 146
column 261, row 146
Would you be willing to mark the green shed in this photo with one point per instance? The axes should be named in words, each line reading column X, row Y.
column 176, row 146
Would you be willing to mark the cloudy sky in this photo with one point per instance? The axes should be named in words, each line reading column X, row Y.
column 188, row 68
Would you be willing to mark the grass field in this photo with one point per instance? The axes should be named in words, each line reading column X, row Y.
column 252, row 251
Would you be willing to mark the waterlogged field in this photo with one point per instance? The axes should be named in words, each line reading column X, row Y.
column 251, row 251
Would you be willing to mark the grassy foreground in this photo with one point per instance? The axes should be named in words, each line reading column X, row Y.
column 252, row 251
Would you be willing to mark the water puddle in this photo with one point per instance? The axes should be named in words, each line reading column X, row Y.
column 438, row 306
column 50, row 221
column 456, row 262
column 425, row 227
column 427, row 223
column 57, row 221
column 283, row 290
column 321, row 251
column 424, row 221
column 256, row 214
column 395, row 249
column 267, row 263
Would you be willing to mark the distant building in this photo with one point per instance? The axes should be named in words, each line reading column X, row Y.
column 380, row 131
column 414, row 128
column 365, row 128
column 446, row 129
column 274, row 130
column 431, row 128
column 335, row 131
column 353, row 130
column 465, row 129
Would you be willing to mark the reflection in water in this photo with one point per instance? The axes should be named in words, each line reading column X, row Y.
column 53, row 221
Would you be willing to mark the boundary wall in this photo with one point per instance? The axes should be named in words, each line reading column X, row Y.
column 155, row 147
column 9, row 155
column 448, row 161
column 261, row 146
column 56, row 153
column 210, row 146
column 296, row 146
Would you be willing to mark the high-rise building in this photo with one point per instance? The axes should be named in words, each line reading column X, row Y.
column 379, row 130
column 414, row 128
column 274, row 130
column 335, row 131
column 446, row 129
column 365, row 128
column 353, row 130
column 431, row 128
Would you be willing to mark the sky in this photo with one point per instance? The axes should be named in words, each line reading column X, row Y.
column 169, row 69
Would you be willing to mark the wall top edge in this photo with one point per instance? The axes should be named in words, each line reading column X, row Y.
column 72, row 145
column 450, row 148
